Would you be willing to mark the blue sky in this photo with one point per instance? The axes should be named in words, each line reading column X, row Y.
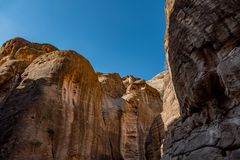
column 124, row 36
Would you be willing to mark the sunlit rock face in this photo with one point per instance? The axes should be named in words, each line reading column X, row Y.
column 171, row 111
column 53, row 105
column 202, row 44
column 132, row 117
column 50, row 105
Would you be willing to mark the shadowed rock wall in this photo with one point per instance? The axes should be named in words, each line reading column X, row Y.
column 202, row 44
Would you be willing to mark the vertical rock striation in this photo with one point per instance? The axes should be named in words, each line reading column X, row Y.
column 54, row 106
column 132, row 116
column 142, row 126
column 51, row 109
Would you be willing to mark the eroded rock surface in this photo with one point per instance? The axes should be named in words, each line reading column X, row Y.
column 141, row 118
column 51, row 109
column 53, row 105
column 132, row 117
column 171, row 111
column 202, row 44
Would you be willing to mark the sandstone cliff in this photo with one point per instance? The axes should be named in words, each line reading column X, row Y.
column 202, row 44
column 163, row 83
column 53, row 105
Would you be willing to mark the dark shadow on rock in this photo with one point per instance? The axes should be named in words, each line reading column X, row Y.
column 11, row 111
column 154, row 139
column 201, row 36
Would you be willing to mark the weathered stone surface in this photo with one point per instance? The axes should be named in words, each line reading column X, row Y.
column 54, row 106
column 129, row 79
column 202, row 45
column 162, row 82
column 113, row 90
column 47, row 116
column 112, row 84
column 132, row 117
column 143, row 130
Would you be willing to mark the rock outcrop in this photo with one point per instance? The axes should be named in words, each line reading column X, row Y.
column 163, row 83
column 141, row 118
column 53, row 105
column 202, row 44
column 131, row 113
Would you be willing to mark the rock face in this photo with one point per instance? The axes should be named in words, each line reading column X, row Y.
column 54, row 106
column 50, row 107
column 171, row 112
column 132, row 116
column 202, row 44
column 141, row 118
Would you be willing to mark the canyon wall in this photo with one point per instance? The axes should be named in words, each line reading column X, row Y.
column 202, row 45
column 49, row 104
column 53, row 105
